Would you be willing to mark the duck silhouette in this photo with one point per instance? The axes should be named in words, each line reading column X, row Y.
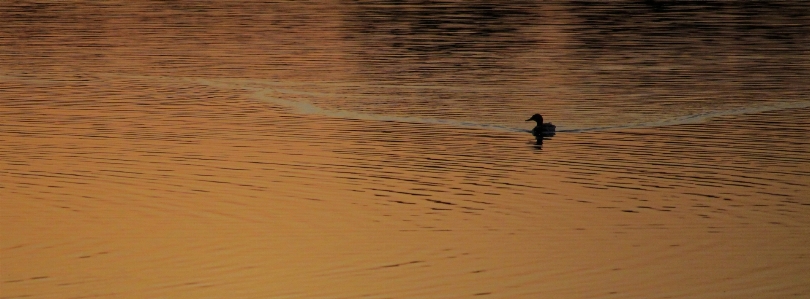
column 542, row 129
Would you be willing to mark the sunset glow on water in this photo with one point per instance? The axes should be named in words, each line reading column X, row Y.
column 380, row 149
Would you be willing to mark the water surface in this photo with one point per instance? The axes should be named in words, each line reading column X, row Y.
column 379, row 149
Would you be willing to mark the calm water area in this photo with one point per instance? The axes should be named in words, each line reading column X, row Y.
column 380, row 149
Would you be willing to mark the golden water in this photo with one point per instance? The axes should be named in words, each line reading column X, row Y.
column 361, row 149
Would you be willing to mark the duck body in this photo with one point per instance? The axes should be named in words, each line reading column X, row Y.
column 542, row 129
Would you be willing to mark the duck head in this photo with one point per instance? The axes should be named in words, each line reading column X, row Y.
column 536, row 117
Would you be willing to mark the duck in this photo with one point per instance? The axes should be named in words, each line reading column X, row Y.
column 542, row 129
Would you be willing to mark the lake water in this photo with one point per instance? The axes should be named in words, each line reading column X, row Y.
column 379, row 149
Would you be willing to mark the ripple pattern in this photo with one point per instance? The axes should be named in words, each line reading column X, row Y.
column 128, row 187
column 377, row 149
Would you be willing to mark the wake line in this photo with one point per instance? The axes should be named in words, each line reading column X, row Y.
column 698, row 117
column 261, row 91
column 262, row 94
column 308, row 108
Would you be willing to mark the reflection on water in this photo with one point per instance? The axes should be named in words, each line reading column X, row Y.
column 442, row 42
column 594, row 64
column 584, row 64
column 690, row 57
column 345, row 149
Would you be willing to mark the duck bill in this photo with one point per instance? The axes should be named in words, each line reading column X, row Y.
column 528, row 119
